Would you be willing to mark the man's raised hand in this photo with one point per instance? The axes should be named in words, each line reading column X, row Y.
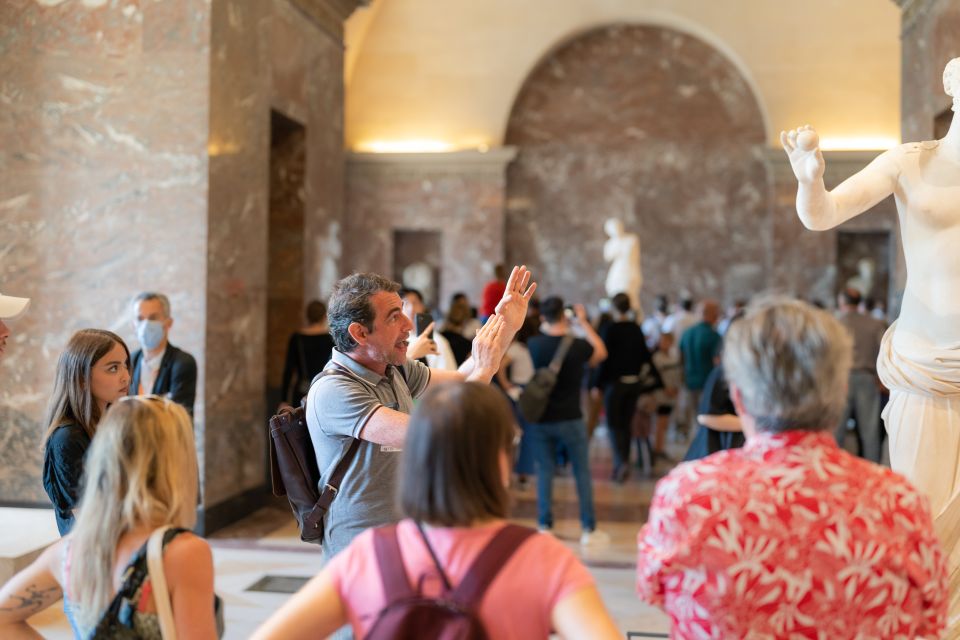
column 516, row 297
column 488, row 348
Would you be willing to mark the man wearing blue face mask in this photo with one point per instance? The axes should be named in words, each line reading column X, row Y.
column 157, row 366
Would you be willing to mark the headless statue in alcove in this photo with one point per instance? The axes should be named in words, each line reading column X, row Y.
column 920, row 357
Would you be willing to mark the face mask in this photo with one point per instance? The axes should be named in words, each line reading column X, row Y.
column 150, row 333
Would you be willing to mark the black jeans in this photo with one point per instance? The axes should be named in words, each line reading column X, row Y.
column 620, row 403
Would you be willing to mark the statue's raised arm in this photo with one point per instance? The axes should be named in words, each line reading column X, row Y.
column 820, row 209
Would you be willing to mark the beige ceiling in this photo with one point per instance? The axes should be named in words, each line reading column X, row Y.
column 448, row 71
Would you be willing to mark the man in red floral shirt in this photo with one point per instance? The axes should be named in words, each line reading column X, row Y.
column 791, row 536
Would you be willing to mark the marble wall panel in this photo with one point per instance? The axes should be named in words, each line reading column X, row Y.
column 929, row 40
column 234, row 439
column 805, row 262
column 264, row 55
column 103, row 158
column 658, row 129
column 463, row 201
column 134, row 150
column 307, row 86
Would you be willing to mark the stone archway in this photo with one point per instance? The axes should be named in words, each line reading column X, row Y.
column 657, row 128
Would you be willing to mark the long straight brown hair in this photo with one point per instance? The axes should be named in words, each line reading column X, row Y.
column 450, row 472
column 72, row 399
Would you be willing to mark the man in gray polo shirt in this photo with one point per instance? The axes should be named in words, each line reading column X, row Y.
column 370, row 391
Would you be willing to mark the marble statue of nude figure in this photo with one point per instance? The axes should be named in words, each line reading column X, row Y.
column 622, row 251
column 920, row 358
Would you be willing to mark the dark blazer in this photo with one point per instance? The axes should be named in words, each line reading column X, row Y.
column 176, row 379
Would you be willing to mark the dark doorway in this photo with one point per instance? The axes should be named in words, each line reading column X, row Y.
column 285, row 246
column 864, row 263
column 416, row 262
column 942, row 123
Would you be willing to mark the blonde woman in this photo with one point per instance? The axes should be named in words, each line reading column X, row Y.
column 141, row 474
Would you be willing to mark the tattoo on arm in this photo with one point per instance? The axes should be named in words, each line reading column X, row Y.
column 32, row 599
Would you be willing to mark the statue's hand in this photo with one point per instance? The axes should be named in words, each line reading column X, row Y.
column 803, row 148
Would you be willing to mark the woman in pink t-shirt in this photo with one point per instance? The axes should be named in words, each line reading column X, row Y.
column 453, row 479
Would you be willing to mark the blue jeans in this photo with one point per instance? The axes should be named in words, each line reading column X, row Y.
column 572, row 434
column 525, row 464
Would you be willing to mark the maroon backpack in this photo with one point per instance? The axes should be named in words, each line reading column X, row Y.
column 453, row 615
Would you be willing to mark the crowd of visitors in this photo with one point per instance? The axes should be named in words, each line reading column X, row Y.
column 769, row 529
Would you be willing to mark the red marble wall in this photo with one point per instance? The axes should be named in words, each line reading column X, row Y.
column 265, row 55
column 656, row 128
column 103, row 158
column 458, row 195
column 804, row 262
column 134, row 150
column 931, row 38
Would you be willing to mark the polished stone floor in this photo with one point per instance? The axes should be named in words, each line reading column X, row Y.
column 266, row 544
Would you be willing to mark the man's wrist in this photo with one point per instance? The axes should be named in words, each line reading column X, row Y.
column 481, row 374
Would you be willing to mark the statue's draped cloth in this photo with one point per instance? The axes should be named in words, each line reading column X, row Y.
column 923, row 426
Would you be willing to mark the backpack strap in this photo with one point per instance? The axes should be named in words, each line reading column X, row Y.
column 331, row 487
column 486, row 566
column 158, row 579
column 558, row 357
column 386, row 545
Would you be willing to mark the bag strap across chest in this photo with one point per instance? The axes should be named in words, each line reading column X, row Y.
column 469, row 593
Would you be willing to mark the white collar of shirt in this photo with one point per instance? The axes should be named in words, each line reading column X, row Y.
column 149, row 368
column 153, row 363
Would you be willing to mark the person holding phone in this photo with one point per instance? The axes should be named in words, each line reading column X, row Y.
column 430, row 348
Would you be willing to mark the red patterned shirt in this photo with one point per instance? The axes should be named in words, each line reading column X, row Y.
column 791, row 537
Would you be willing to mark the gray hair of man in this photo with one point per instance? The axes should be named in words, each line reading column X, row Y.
column 151, row 295
column 350, row 302
column 790, row 362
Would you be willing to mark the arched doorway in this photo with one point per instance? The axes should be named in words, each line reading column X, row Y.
column 655, row 127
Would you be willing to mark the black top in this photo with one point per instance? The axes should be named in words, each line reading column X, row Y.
column 303, row 350
column 627, row 352
column 176, row 377
column 564, row 402
column 63, row 457
column 715, row 401
column 459, row 345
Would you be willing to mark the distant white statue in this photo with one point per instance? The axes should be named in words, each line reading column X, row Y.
column 419, row 276
column 920, row 357
column 863, row 281
column 622, row 251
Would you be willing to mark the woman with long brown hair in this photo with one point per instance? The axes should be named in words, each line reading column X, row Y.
column 92, row 373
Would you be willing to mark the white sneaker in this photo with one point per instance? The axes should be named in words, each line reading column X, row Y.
column 595, row 538
column 544, row 529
